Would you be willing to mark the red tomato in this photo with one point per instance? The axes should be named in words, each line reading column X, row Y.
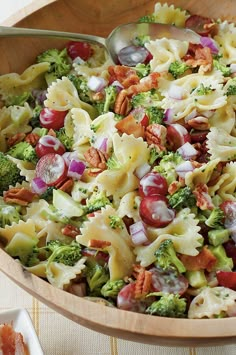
column 126, row 300
column 153, row 184
column 49, row 144
column 196, row 23
column 177, row 135
column 51, row 168
column 50, row 118
column 168, row 281
column 79, row 49
column 154, row 211
column 227, row 279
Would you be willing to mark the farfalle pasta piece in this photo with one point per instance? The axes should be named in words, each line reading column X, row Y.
column 226, row 40
column 34, row 212
column 227, row 190
column 121, row 256
column 81, row 122
column 27, row 227
column 60, row 275
column 221, row 145
column 224, row 118
column 38, row 270
column 103, row 127
column 183, row 231
column 130, row 153
column 201, row 175
column 16, row 84
column 62, row 96
column 52, row 231
column 211, row 302
column 129, row 206
column 169, row 14
column 189, row 87
column 27, row 169
column 165, row 51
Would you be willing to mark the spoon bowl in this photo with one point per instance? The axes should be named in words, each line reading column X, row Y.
column 122, row 36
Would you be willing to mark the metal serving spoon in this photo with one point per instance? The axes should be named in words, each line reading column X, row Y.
column 122, row 36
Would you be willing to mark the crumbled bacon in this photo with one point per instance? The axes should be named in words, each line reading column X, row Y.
column 129, row 125
column 205, row 260
column 199, row 56
column 11, row 342
column 204, row 201
column 125, row 75
column 99, row 244
column 20, row 196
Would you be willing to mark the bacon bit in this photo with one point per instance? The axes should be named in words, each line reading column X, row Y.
column 70, row 231
column 203, row 198
column 143, row 284
column 156, row 134
column 20, row 196
column 130, row 126
column 125, row 75
column 98, row 244
column 12, row 342
column 204, row 260
column 65, row 185
column 174, row 187
column 17, row 138
column 199, row 56
column 147, row 83
column 32, row 138
column 96, row 158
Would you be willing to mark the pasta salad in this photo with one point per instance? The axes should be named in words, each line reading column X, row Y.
column 117, row 182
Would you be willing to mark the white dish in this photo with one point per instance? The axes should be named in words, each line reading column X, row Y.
column 22, row 323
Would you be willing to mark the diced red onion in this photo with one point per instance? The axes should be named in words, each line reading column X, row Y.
column 169, row 116
column 183, row 168
column 233, row 67
column 118, row 85
column 101, row 144
column 187, row 151
column 210, row 43
column 191, row 115
column 138, row 233
column 142, row 170
column 76, row 169
column 68, row 156
column 96, row 83
column 38, row 186
column 176, row 92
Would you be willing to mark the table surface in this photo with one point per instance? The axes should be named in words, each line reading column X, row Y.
column 60, row 336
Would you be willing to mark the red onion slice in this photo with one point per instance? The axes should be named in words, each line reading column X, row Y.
column 76, row 169
column 169, row 116
column 38, row 186
column 96, row 83
column 210, row 43
column 68, row 156
column 138, row 233
column 187, row 151
column 184, row 168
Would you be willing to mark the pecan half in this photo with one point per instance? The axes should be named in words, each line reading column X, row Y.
column 96, row 158
column 156, row 134
column 199, row 123
column 70, row 231
column 143, row 284
column 65, row 185
column 32, row 138
column 17, row 138
column 122, row 104
column 97, row 243
column 20, row 196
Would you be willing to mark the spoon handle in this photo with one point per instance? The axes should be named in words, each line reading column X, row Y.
column 27, row 32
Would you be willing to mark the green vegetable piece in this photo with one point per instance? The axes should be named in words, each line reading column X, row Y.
column 167, row 166
column 203, row 90
column 146, row 99
column 64, row 202
column 23, row 151
column 226, row 71
column 9, row 173
column 155, row 115
column 96, row 276
column 177, row 69
column 65, row 139
column 18, row 100
column 182, row 198
column 224, row 263
column 196, row 278
column 112, row 288
column 58, row 60
column 8, row 215
column 166, row 257
column 96, row 201
column 110, row 98
column 142, row 69
column 67, row 254
column 218, row 236
column 116, row 222
column 169, row 305
column 21, row 246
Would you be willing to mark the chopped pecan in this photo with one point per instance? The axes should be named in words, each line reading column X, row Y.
column 99, row 244
column 143, row 284
column 204, row 201
column 20, row 196
column 96, row 158
column 94, row 171
column 122, row 104
column 32, row 138
column 156, row 134
column 137, row 268
column 70, row 231
column 17, row 138
column 199, row 123
column 65, row 185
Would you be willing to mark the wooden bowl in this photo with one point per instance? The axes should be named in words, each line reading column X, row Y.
column 100, row 17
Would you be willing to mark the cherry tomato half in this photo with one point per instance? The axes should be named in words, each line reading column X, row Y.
column 51, row 168
column 168, row 281
column 49, row 144
column 154, row 211
column 153, row 184
column 50, row 118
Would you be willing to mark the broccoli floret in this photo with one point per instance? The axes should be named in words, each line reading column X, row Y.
column 67, row 254
column 155, row 114
column 177, row 69
column 146, row 99
column 215, row 219
column 35, row 122
column 196, row 278
column 96, row 276
column 226, row 71
column 182, row 198
column 23, row 151
column 166, row 257
column 113, row 163
column 231, row 88
column 9, row 173
column 203, row 90
column 147, row 18
column 141, row 40
column 168, row 164
column 142, row 69
column 81, row 85
column 18, row 100
column 96, row 201
column 48, row 194
column 64, row 138
column 110, row 98
column 8, row 215
column 55, row 215
column 112, row 288
column 224, row 263
column 58, row 60
column 218, row 236
column 169, row 305
column 116, row 222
